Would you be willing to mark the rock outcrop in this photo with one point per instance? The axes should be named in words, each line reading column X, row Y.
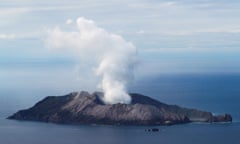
column 85, row 108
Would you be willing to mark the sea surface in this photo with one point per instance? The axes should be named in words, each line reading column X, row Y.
column 218, row 93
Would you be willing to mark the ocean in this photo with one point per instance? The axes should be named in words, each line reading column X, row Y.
column 218, row 93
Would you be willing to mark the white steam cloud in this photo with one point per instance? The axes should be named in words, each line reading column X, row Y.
column 113, row 56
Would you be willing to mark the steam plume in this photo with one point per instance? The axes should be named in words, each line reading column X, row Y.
column 114, row 57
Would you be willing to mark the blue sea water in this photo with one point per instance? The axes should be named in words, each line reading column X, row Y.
column 217, row 93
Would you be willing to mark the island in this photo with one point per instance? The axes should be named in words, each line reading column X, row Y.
column 85, row 108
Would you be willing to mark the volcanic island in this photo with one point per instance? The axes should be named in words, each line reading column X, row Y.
column 88, row 108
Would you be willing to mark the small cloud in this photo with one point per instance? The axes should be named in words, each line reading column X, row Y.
column 7, row 36
column 6, row 12
column 140, row 32
column 155, row 5
column 220, row 30
column 69, row 21
column 172, row 3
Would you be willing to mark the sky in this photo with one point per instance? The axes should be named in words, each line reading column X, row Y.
column 171, row 37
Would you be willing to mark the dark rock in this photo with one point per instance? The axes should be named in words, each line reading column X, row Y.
column 152, row 130
column 222, row 118
column 85, row 108
column 155, row 129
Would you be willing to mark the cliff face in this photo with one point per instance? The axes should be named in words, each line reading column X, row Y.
column 85, row 108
